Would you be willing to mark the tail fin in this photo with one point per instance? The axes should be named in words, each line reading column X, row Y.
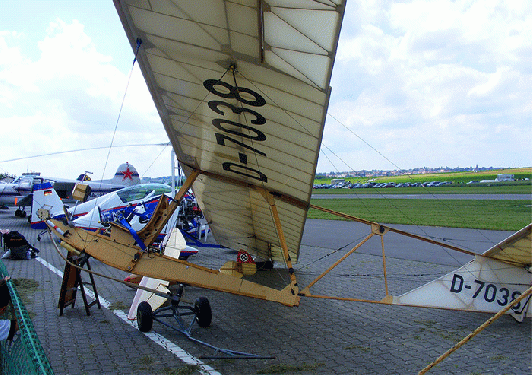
column 84, row 176
column 44, row 196
column 126, row 175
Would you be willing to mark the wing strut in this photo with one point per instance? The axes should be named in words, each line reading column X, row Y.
column 398, row 231
column 306, row 291
column 275, row 214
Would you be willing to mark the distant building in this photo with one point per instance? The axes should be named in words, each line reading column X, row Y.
column 337, row 181
column 505, row 177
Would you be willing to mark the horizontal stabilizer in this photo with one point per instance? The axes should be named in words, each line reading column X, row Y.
column 483, row 285
column 176, row 243
column 153, row 299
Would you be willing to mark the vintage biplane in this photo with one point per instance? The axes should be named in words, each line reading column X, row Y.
column 242, row 89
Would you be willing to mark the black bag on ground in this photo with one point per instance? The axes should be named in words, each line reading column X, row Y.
column 18, row 246
column 14, row 239
column 20, row 252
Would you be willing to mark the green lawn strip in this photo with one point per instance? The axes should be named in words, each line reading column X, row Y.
column 463, row 189
column 456, row 177
column 478, row 214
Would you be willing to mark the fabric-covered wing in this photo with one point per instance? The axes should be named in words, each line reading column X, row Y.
column 515, row 250
column 242, row 88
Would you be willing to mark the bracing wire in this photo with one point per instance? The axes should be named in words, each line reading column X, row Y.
column 83, row 149
column 397, row 167
column 139, row 42
column 157, row 157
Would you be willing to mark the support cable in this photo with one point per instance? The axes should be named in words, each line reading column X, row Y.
column 476, row 331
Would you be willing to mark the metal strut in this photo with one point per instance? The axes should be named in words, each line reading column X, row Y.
column 275, row 214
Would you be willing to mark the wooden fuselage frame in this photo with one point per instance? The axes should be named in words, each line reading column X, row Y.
column 116, row 247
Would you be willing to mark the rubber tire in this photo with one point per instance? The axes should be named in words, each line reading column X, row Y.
column 203, row 311
column 144, row 317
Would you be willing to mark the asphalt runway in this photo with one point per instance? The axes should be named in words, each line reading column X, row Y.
column 318, row 337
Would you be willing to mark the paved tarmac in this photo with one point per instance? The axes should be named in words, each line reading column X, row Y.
column 345, row 234
column 318, row 337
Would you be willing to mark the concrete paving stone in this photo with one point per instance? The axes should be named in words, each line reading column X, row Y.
column 348, row 338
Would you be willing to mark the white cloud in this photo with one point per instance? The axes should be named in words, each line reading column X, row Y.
column 433, row 83
column 69, row 97
column 423, row 82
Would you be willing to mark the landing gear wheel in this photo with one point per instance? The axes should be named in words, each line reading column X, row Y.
column 203, row 311
column 144, row 317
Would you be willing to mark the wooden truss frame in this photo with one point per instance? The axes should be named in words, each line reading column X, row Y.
column 376, row 229
column 116, row 247
column 381, row 230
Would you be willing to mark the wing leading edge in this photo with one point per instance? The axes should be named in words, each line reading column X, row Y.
column 242, row 90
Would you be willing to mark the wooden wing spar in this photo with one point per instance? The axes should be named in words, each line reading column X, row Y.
column 242, row 88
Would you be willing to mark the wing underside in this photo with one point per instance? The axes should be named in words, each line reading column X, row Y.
column 242, row 88
column 515, row 250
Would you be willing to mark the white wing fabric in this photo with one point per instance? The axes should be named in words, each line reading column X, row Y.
column 242, row 88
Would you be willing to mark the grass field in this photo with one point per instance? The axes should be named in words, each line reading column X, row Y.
column 523, row 187
column 480, row 214
column 455, row 177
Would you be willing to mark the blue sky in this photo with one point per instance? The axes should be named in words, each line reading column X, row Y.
column 416, row 83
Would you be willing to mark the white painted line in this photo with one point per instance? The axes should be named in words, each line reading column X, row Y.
column 155, row 337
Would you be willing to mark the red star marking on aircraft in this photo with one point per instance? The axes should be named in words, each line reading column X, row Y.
column 127, row 174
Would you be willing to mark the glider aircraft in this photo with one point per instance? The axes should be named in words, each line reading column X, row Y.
column 242, row 89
